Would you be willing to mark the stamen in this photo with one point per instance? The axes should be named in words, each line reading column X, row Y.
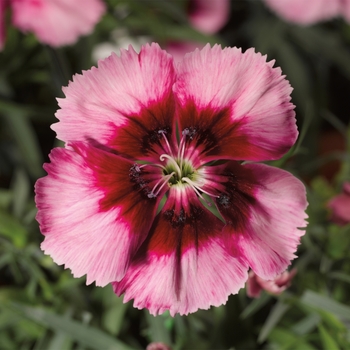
column 173, row 162
column 163, row 132
column 165, row 180
column 196, row 188
column 150, row 164
column 181, row 149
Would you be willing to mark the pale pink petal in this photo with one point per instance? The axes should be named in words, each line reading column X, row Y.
column 345, row 10
column 270, row 243
column 239, row 101
column 209, row 276
column 209, row 16
column 57, row 22
column 183, row 266
column 119, row 96
column 340, row 206
column 305, row 12
column 264, row 207
column 91, row 215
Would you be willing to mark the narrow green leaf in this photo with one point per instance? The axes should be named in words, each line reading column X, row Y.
column 12, row 229
column 85, row 335
column 340, row 276
column 5, row 198
column 25, row 137
column 21, row 190
column 272, row 320
column 114, row 315
column 255, row 305
column 322, row 302
column 307, row 324
column 328, row 342
column 288, row 341
column 158, row 331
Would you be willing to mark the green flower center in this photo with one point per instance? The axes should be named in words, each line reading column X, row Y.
column 181, row 171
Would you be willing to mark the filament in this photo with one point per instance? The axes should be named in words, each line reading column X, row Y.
column 163, row 132
column 196, row 188
column 164, row 180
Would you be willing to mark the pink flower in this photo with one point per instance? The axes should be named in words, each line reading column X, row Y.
column 158, row 346
column 151, row 146
column 278, row 285
column 207, row 17
column 340, row 206
column 2, row 24
column 307, row 12
column 57, row 22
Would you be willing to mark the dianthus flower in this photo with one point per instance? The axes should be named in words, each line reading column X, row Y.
column 256, row 284
column 55, row 22
column 153, row 150
column 308, row 12
column 340, row 206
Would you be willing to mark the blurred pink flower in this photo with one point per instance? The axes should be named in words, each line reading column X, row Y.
column 158, row 346
column 306, row 12
column 256, row 284
column 207, row 16
column 139, row 129
column 3, row 6
column 56, row 22
column 340, row 206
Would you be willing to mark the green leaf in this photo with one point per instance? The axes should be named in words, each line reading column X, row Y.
column 5, row 198
column 24, row 135
column 85, row 335
column 21, row 190
column 328, row 342
column 322, row 302
column 157, row 330
column 114, row 314
column 340, row 276
column 255, row 305
column 286, row 340
column 338, row 241
column 60, row 341
column 12, row 229
column 307, row 324
column 272, row 320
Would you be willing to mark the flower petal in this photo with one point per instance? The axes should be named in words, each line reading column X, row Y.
column 183, row 265
column 340, row 206
column 122, row 103
column 263, row 208
column 237, row 103
column 3, row 6
column 93, row 212
column 345, row 10
column 305, row 12
column 209, row 16
column 253, row 287
column 57, row 22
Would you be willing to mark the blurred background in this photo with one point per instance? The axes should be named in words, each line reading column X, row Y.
column 43, row 307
